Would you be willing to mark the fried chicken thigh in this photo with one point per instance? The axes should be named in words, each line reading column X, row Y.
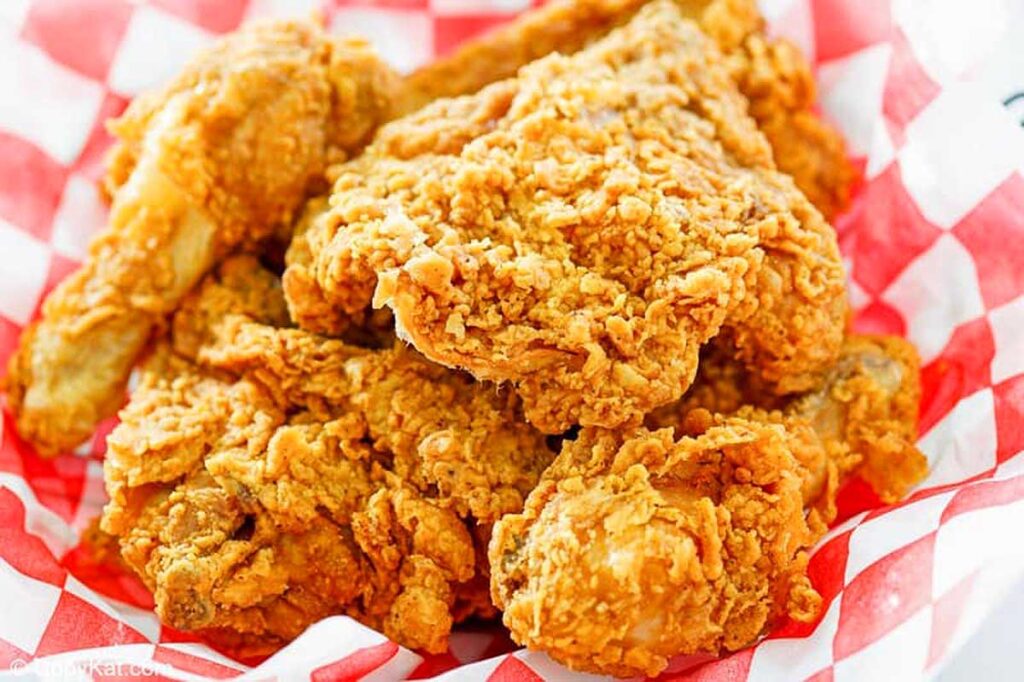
column 770, row 73
column 216, row 159
column 581, row 230
column 654, row 542
column 263, row 478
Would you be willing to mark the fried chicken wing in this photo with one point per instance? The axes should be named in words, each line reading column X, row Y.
column 218, row 158
column 771, row 74
column 263, row 477
column 654, row 542
column 581, row 230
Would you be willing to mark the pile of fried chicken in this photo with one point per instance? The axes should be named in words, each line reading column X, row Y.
column 555, row 327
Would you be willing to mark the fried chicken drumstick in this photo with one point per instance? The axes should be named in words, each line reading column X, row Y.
column 770, row 73
column 263, row 478
column 581, row 230
column 218, row 158
column 641, row 545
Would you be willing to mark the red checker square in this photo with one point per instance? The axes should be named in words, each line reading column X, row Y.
column 10, row 653
column 1009, row 408
column 845, row 26
column 828, row 566
column 357, row 665
column 77, row 624
column 735, row 666
column 9, row 333
column 100, row 676
column 217, row 16
column 30, row 185
column 946, row 614
column 983, row 495
column 194, row 664
column 908, row 89
column 452, row 31
column 101, row 576
column 884, row 595
column 514, row 670
column 855, row 496
column 994, row 234
column 21, row 549
column 890, row 231
column 879, row 317
column 962, row 368
column 92, row 161
column 434, row 665
column 57, row 482
column 83, row 36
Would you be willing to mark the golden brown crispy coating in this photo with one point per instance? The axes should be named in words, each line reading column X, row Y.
column 637, row 547
column 867, row 407
column 771, row 74
column 582, row 229
column 263, row 478
column 217, row 158
column 642, row 545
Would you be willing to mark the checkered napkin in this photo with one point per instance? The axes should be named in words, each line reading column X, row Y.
column 930, row 96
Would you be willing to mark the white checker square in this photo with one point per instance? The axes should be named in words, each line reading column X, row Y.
column 1010, row 467
column 80, row 215
column 12, row 16
column 473, row 672
column 45, row 103
column 28, row 606
column 1007, row 324
column 900, row 654
column 935, row 306
column 23, row 271
column 155, row 46
column 882, row 151
column 798, row 658
column 963, row 444
column 772, row 10
column 282, row 9
column 405, row 39
column 897, row 528
column 859, row 299
column 850, row 91
column 975, row 539
column 958, row 150
column 203, row 651
column 951, row 37
column 487, row 7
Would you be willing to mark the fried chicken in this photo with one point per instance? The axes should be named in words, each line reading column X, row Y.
column 581, row 230
column 654, row 542
column 770, row 73
column 216, row 159
column 263, row 477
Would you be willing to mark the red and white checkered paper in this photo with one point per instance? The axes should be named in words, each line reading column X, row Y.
column 930, row 96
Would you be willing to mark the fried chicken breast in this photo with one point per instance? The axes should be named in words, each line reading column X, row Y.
column 216, row 159
column 581, row 230
column 771, row 73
